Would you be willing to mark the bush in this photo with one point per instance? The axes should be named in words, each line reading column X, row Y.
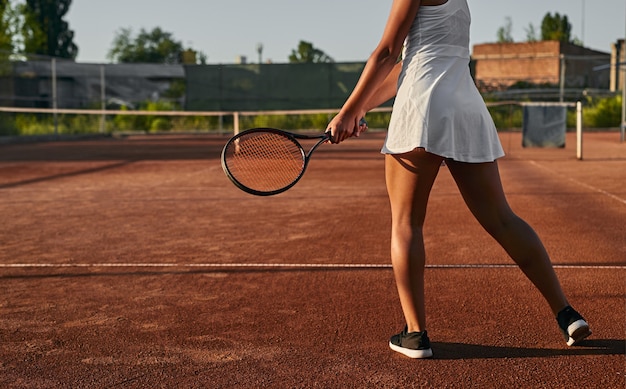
column 603, row 112
column 378, row 119
column 597, row 113
column 145, row 123
column 507, row 116
column 7, row 125
column 32, row 124
column 286, row 122
column 129, row 122
column 195, row 123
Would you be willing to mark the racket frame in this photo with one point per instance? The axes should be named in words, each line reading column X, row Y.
column 292, row 137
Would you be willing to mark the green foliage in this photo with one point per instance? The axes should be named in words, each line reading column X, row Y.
column 506, row 116
column 36, row 124
column 531, row 33
column 194, row 123
column 286, row 122
column 127, row 123
column 43, row 124
column 160, row 124
column 504, row 32
column 6, row 33
column 7, row 125
column 307, row 53
column 130, row 123
column 314, row 122
column 378, row 119
column 176, row 90
column 597, row 113
column 156, row 46
column 45, row 32
column 603, row 113
column 556, row 27
column 6, row 41
column 154, row 123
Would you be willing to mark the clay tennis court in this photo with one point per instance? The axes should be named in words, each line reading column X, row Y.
column 135, row 263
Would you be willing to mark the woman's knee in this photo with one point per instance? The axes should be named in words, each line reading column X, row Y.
column 407, row 228
column 499, row 223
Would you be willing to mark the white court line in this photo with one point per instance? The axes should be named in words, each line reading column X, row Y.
column 593, row 188
column 281, row 265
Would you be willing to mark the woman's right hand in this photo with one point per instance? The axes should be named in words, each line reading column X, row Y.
column 344, row 126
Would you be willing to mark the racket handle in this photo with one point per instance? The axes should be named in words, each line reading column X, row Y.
column 328, row 135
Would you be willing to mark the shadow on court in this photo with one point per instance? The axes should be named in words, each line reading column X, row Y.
column 475, row 351
column 65, row 175
column 134, row 148
column 135, row 273
column 154, row 148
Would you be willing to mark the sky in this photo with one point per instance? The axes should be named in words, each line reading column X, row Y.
column 346, row 30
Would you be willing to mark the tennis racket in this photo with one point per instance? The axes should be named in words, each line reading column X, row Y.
column 267, row 161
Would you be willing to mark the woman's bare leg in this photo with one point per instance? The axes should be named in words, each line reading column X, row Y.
column 482, row 191
column 410, row 177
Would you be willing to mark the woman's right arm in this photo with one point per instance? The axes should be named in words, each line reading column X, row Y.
column 376, row 75
column 386, row 90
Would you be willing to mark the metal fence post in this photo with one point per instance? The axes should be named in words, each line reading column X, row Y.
column 103, row 105
column 53, row 66
column 579, row 130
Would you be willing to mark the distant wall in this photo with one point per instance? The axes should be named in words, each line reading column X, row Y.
column 269, row 86
column 500, row 65
column 79, row 85
column 254, row 87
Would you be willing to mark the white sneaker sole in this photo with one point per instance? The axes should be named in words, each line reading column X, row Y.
column 577, row 331
column 415, row 354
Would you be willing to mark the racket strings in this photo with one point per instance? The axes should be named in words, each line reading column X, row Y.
column 265, row 161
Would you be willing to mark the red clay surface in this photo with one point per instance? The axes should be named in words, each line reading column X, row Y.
column 139, row 202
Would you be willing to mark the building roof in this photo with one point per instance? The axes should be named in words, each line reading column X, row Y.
column 72, row 69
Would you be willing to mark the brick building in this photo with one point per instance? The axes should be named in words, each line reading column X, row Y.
column 498, row 66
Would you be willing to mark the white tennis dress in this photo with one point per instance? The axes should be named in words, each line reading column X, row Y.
column 437, row 106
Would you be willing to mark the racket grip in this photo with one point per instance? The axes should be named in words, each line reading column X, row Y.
column 328, row 135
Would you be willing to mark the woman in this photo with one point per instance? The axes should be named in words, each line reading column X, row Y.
column 439, row 116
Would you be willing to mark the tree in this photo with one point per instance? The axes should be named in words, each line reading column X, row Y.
column 6, row 34
column 44, row 31
column 6, row 37
column 531, row 33
column 156, row 46
column 504, row 32
column 556, row 27
column 306, row 53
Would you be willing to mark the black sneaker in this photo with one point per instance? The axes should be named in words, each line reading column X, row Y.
column 572, row 325
column 411, row 344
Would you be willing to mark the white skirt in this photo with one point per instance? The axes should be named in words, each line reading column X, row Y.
column 439, row 108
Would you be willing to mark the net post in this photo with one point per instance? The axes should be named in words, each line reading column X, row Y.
column 579, row 130
column 102, row 100
column 622, row 127
column 236, row 122
column 562, row 79
column 53, row 66
column 622, row 67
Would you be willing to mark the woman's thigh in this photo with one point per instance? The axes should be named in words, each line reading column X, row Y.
column 481, row 188
column 410, row 177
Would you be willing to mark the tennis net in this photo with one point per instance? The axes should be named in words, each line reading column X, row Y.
column 45, row 121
